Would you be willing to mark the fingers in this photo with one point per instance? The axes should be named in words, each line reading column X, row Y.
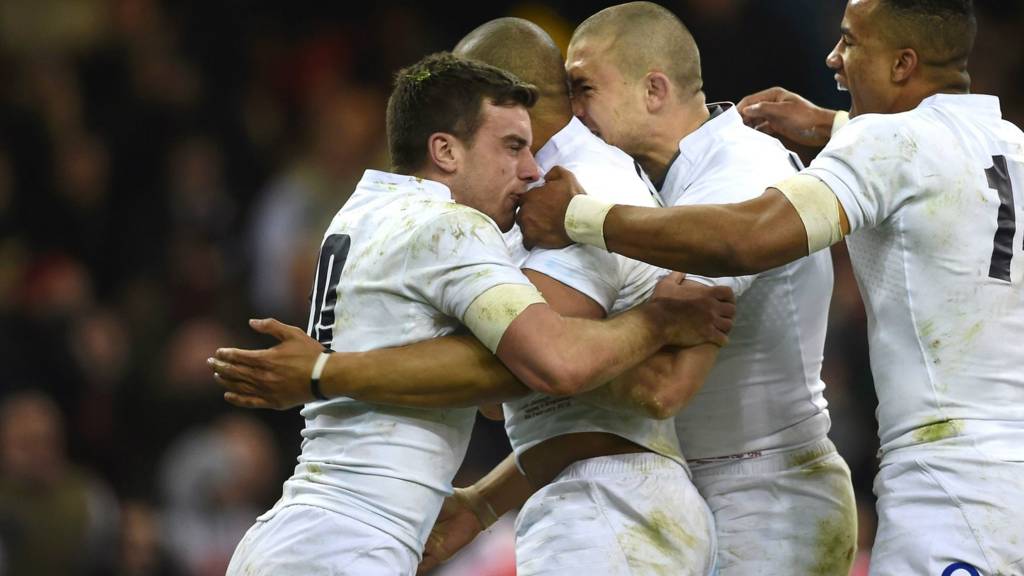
column 236, row 371
column 428, row 563
column 271, row 327
column 246, row 401
column 555, row 173
column 723, row 294
column 492, row 412
column 773, row 94
column 252, row 358
column 718, row 338
column 676, row 277
column 722, row 324
column 765, row 112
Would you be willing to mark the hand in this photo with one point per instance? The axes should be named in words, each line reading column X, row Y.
column 276, row 377
column 701, row 314
column 456, row 527
column 541, row 214
column 492, row 412
column 779, row 112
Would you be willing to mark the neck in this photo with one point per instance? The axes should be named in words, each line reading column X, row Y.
column 666, row 132
column 432, row 173
column 942, row 82
column 546, row 121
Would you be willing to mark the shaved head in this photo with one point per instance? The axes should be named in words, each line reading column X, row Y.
column 522, row 48
column 644, row 37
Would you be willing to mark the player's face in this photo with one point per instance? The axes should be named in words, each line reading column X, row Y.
column 499, row 166
column 862, row 59
column 607, row 102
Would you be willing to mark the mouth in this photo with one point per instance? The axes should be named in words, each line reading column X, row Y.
column 841, row 83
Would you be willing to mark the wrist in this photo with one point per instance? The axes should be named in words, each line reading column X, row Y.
column 656, row 314
column 475, row 502
column 584, row 220
column 317, row 374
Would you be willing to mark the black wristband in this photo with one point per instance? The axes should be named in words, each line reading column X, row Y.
column 314, row 380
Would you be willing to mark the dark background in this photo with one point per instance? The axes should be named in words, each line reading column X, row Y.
column 166, row 172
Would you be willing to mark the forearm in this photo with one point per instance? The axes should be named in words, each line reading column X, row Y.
column 660, row 386
column 712, row 240
column 630, row 392
column 504, row 488
column 448, row 372
column 562, row 356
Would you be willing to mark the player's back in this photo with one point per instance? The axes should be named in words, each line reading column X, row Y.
column 384, row 279
column 935, row 205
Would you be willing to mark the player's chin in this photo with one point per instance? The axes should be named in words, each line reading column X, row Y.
column 505, row 221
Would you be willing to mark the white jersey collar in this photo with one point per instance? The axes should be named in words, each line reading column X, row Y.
column 381, row 181
column 694, row 147
column 550, row 153
column 980, row 103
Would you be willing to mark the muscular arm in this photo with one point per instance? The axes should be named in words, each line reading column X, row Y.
column 659, row 387
column 453, row 371
column 712, row 240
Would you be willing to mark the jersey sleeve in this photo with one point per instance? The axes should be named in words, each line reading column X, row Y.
column 870, row 165
column 597, row 273
column 739, row 284
column 457, row 256
column 587, row 269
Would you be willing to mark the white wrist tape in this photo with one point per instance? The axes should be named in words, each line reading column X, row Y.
column 842, row 117
column 490, row 314
column 471, row 498
column 584, row 220
column 818, row 208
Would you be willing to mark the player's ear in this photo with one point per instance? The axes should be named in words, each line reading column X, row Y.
column 445, row 151
column 657, row 90
column 904, row 65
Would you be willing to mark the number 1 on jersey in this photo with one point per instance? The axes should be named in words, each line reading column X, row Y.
column 1002, row 245
column 325, row 288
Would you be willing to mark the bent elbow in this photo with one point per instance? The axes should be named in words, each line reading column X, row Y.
column 662, row 407
column 558, row 379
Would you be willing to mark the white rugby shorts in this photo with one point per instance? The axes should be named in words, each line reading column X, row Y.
column 948, row 512
column 301, row 540
column 616, row 515
column 784, row 513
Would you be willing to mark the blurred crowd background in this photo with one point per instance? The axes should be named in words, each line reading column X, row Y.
column 167, row 169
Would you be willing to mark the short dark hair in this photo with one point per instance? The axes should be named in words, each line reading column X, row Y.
column 942, row 31
column 445, row 93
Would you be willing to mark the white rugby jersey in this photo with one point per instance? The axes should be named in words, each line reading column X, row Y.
column 401, row 262
column 765, row 391
column 935, row 199
column 615, row 282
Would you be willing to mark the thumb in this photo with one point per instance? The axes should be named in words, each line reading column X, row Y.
column 766, row 110
column 677, row 277
column 271, row 327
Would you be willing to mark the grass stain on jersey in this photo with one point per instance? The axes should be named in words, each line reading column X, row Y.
column 938, row 431
column 660, row 536
column 926, row 329
column 973, row 332
column 834, row 547
column 313, row 470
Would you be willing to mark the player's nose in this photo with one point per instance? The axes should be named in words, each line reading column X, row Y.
column 528, row 168
column 833, row 60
